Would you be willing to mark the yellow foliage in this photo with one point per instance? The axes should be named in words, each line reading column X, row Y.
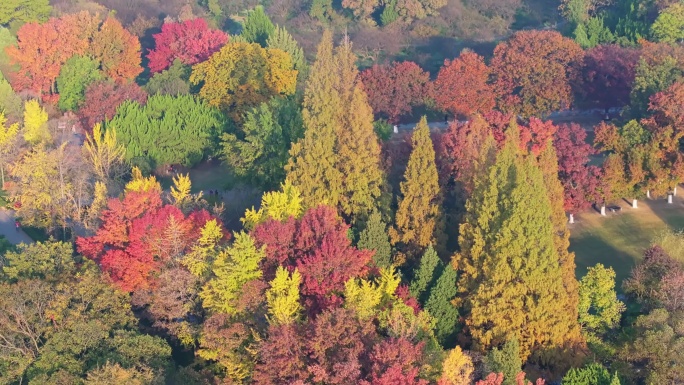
column 203, row 252
column 35, row 123
column 283, row 297
column 180, row 191
column 366, row 297
column 7, row 133
column 281, row 77
column 140, row 183
column 457, row 368
column 103, row 151
column 114, row 374
column 99, row 202
column 278, row 205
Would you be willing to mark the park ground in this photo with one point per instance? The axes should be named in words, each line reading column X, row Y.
column 619, row 239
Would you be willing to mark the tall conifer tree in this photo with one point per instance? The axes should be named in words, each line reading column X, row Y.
column 509, row 262
column 548, row 162
column 419, row 221
column 313, row 161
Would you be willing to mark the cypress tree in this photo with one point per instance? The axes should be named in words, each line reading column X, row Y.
column 427, row 272
column 313, row 160
column 439, row 306
column 509, row 262
column 418, row 221
column 374, row 237
column 505, row 360
column 282, row 39
column 548, row 162
column 257, row 27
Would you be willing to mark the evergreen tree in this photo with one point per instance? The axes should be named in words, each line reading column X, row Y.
column 313, row 160
column 374, row 237
column 440, row 307
column 357, row 147
column 505, row 360
column 281, row 39
column 548, row 162
column 509, row 263
column 592, row 374
column 430, row 266
column 76, row 74
column 418, row 221
column 257, row 27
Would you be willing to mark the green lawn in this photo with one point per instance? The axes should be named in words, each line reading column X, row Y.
column 620, row 239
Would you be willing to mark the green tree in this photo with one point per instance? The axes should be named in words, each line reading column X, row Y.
column 232, row 269
column 505, row 360
column 592, row 374
column 439, row 305
column 173, row 81
column 509, row 264
column 669, row 26
column 313, row 160
column 17, row 12
column 76, row 74
column 258, row 150
column 374, row 237
column 6, row 39
column 167, row 129
column 599, row 308
column 424, row 279
column 257, row 27
column 281, row 39
column 418, row 221
column 650, row 78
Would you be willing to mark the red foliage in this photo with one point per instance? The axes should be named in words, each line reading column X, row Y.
column 404, row 294
column 462, row 86
column 396, row 361
column 135, row 240
column 492, row 379
column 191, row 41
column 103, row 98
column 394, row 89
column 657, row 281
column 607, row 74
column 317, row 245
column 533, row 70
column 282, row 357
column 117, row 50
column 668, row 111
column 578, row 178
column 536, row 134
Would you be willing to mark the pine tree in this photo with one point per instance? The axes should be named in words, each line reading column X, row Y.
column 312, row 166
column 430, row 266
column 548, row 162
column 440, row 307
column 374, row 237
column 505, row 360
column 282, row 39
column 419, row 218
column 509, row 263
column 257, row 27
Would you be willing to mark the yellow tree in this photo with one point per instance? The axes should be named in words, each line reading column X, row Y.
column 99, row 203
column 278, row 205
column 35, row 123
column 283, row 297
column 419, row 221
column 312, row 167
column 457, row 368
column 104, row 153
column 140, row 183
column 243, row 75
column 357, row 146
column 35, row 181
column 199, row 259
column 8, row 138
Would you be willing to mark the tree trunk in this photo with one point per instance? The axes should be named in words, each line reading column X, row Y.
column 674, row 191
column 648, row 194
column 669, row 198
column 572, row 219
column 603, row 210
column 2, row 173
column 634, row 203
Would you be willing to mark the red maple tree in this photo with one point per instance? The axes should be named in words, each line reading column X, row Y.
column 104, row 97
column 462, row 86
column 579, row 180
column 191, row 41
column 606, row 76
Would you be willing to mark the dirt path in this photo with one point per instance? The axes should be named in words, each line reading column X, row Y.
column 9, row 231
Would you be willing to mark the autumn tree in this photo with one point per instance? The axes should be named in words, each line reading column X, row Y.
column 76, row 75
column 105, row 154
column 35, row 123
column 577, row 177
column 117, row 51
column 660, row 65
column 418, row 221
column 532, row 72
column 167, row 129
column 283, row 297
column 278, row 205
column 457, row 368
column 9, row 139
column 654, row 282
column 668, row 27
column 463, row 85
column 606, row 76
column 103, row 98
column 257, row 27
column 393, row 90
column 490, row 264
column 243, row 75
column 313, row 160
column 189, row 41
column 282, row 40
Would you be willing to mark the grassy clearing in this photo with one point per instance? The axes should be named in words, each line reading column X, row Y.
column 620, row 239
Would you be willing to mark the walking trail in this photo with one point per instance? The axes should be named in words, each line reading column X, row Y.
column 9, row 231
